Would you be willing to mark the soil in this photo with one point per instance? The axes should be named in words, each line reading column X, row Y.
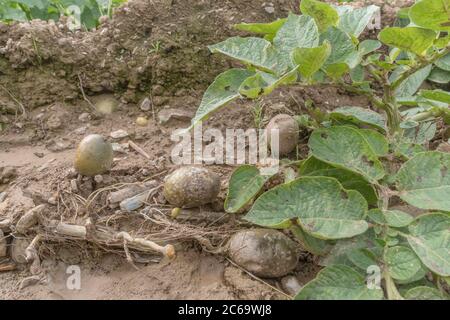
column 150, row 49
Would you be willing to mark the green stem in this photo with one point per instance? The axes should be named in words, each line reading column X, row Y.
column 391, row 290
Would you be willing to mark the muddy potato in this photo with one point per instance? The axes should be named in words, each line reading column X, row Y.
column 189, row 187
column 93, row 156
column 288, row 132
column 266, row 253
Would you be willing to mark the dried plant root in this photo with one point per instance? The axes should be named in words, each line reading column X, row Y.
column 30, row 219
column 32, row 256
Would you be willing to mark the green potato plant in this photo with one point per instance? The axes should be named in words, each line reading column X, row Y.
column 88, row 12
column 338, row 203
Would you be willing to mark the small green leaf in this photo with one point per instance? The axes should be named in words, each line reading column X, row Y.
column 343, row 50
column 224, row 89
column 336, row 70
column 339, row 282
column 314, row 245
column 416, row 40
column 367, row 46
column 439, row 75
column 423, row 293
column 444, row 62
column 355, row 21
column 424, row 181
column 347, row 148
column 310, row 60
column 392, row 218
column 420, row 134
column 431, row 14
column 270, row 28
column 297, row 32
column 324, row 14
column 360, row 115
column 412, row 83
column 348, row 179
column 377, row 141
column 245, row 183
column 430, row 239
column 254, row 51
column 438, row 95
column 323, row 208
column 402, row 263
column 263, row 83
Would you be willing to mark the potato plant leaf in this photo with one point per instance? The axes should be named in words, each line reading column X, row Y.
column 324, row 14
column 254, row 51
column 439, row 75
column 430, row 239
column 444, row 62
column 339, row 282
column 423, row 293
column 347, row 148
column 245, row 183
column 431, row 14
column 377, row 141
column 348, row 179
column 268, row 29
column 224, row 89
column 355, row 21
column 263, row 83
column 402, row 262
column 343, row 50
column 310, row 60
column 392, row 218
column 424, row 181
column 408, row 87
column 360, row 115
column 322, row 206
column 311, row 244
column 297, row 32
column 414, row 39
column 438, row 95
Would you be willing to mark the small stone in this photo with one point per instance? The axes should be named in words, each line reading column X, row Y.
column 119, row 147
column 291, row 285
column 84, row 117
column 269, row 9
column 74, row 185
column 98, row 178
column 157, row 90
column 159, row 101
column 52, row 201
column 119, row 134
column 39, row 154
column 54, row 122
column 267, row 253
column 146, row 105
column 166, row 115
column 141, row 121
column 80, row 131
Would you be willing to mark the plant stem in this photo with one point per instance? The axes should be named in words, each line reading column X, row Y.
column 391, row 290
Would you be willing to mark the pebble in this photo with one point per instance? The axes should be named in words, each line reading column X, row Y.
column 119, row 134
column 291, row 285
column 269, row 9
column 146, row 105
column 166, row 115
column 54, row 122
column 84, row 117
column 98, row 178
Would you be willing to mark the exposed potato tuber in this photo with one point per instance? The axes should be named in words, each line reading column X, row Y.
column 94, row 155
column 189, row 187
column 266, row 253
column 288, row 129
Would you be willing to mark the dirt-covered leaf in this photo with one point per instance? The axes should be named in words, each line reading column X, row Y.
column 343, row 50
column 245, row 183
column 355, row 21
column 224, row 89
column 297, row 32
column 322, row 206
column 347, row 148
column 424, row 181
column 254, row 51
column 431, row 14
column 392, row 218
column 423, row 293
column 438, row 95
column 360, row 115
column 414, row 39
column 339, row 282
column 324, row 14
column 310, row 60
column 402, row 262
column 348, row 179
column 430, row 239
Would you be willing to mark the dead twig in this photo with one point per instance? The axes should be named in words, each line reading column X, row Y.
column 138, row 149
